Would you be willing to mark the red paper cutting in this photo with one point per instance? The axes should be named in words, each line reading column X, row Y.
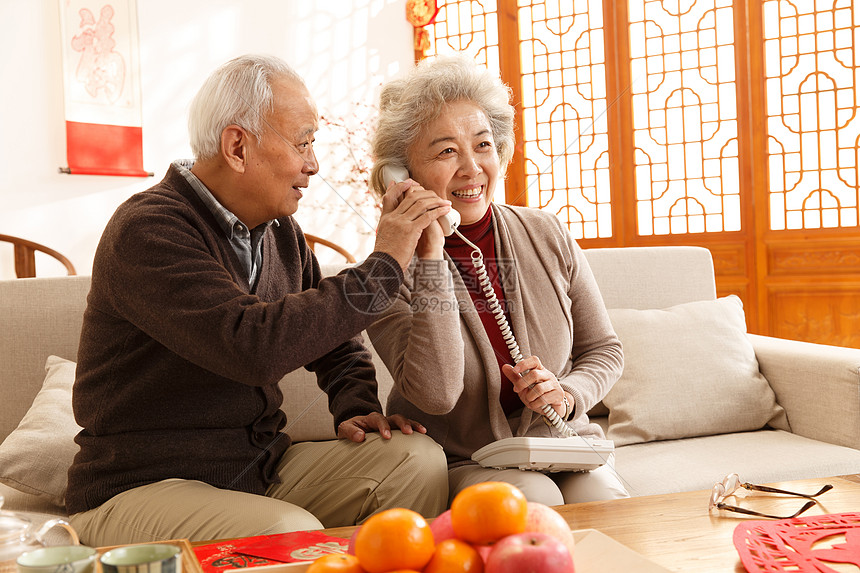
column 799, row 545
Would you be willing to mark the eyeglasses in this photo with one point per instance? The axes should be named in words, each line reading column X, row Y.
column 732, row 482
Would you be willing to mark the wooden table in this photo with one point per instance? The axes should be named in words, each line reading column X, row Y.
column 676, row 530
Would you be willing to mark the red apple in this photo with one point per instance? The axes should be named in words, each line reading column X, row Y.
column 442, row 528
column 544, row 519
column 483, row 551
column 350, row 549
column 529, row 553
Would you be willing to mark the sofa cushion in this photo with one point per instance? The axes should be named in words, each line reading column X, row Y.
column 36, row 456
column 39, row 317
column 653, row 277
column 764, row 456
column 306, row 406
column 689, row 370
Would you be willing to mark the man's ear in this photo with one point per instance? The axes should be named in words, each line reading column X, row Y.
column 234, row 142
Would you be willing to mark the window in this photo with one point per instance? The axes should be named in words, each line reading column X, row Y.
column 812, row 75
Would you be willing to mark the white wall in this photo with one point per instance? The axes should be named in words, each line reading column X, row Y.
column 344, row 49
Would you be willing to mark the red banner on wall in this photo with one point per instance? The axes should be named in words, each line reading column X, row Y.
column 104, row 133
column 97, row 149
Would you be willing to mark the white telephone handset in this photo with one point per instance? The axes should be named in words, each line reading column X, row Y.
column 396, row 174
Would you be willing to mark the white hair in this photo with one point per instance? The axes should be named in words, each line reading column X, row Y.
column 237, row 93
column 408, row 104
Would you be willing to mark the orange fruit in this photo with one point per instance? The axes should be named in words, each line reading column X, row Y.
column 485, row 512
column 394, row 539
column 455, row 556
column 336, row 563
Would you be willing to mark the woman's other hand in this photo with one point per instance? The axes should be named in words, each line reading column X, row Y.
column 536, row 386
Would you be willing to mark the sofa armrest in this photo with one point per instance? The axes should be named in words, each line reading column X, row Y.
column 817, row 385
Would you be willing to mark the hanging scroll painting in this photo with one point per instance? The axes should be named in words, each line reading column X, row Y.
column 101, row 79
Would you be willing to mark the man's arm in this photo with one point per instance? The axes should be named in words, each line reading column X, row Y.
column 348, row 378
column 171, row 280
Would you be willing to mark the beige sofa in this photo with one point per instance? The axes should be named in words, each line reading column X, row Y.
column 699, row 398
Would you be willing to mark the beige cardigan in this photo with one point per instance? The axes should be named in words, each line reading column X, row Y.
column 444, row 368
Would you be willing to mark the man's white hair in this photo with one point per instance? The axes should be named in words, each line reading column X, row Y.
column 237, row 93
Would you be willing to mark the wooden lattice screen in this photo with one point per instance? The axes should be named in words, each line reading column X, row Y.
column 730, row 124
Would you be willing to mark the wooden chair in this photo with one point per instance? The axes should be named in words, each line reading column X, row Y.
column 25, row 256
column 313, row 241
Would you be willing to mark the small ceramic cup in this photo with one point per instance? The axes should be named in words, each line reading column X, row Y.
column 148, row 558
column 58, row 559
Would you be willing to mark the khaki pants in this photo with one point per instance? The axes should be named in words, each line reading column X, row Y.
column 549, row 489
column 323, row 484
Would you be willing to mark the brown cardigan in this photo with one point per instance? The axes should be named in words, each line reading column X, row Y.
column 445, row 373
column 179, row 364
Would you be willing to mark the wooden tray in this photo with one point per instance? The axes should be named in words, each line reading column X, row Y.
column 189, row 559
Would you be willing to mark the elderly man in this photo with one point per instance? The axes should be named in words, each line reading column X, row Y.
column 204, row 295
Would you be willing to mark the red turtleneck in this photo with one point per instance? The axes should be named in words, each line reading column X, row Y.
column 481, row 234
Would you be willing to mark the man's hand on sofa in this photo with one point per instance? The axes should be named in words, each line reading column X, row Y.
column 357, row 427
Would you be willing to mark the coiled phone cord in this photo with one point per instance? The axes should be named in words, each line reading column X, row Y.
column 490, row 294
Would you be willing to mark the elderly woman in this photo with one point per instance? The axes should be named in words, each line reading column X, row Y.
column 451, row 125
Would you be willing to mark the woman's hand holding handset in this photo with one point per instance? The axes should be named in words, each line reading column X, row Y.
column 407, row 210
column 535, row 385
column 432, row 239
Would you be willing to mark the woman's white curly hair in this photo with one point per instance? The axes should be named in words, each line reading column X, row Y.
column 408, row 104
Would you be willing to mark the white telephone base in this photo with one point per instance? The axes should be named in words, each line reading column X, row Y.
column 546, row 454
